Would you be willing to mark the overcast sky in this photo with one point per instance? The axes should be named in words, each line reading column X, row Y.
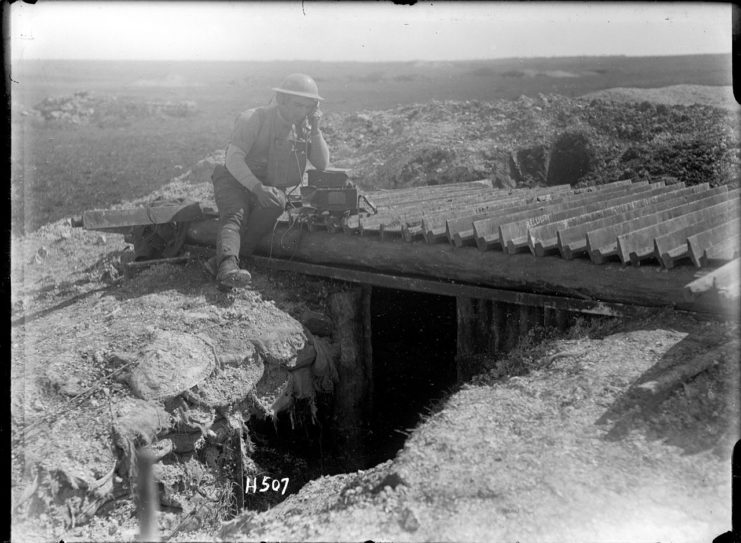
column 374, row 31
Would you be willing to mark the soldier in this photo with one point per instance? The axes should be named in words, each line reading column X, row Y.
column 266, row 154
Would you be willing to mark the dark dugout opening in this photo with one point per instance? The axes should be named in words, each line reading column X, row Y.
column 413, row 347
column 413, row 339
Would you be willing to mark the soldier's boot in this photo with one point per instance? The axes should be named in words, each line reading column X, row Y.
column 231, row 275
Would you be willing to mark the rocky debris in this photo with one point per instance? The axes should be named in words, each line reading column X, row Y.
column 77, row 414
column 549, row 139
column 185, row 407
column 531, row 140
column 687, row 95
column 84, row 107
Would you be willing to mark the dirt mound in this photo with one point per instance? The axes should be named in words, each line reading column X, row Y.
column 84, row 108
column 162, row 358
column 685, row 95
column 448, row 142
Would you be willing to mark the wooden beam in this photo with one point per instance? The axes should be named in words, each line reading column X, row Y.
column 352, row 389
column 116, row 219
column 659, row 387
column 611, row 283
column 416, row 284
column 719, row 279
column 448, row 289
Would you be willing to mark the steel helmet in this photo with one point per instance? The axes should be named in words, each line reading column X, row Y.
column 299, row 85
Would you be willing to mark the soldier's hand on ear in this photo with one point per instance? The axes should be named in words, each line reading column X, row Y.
column 315, row 118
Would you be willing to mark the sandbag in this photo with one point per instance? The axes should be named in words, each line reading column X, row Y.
column 170, row 364
column 137, row 422
column 232, row 381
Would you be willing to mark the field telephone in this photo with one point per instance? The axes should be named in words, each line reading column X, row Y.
column 328, row 199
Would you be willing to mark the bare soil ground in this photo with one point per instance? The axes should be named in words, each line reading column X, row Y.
column 559, row 454
column 551, row 444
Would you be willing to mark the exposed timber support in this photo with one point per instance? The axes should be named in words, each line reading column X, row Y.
column 354, row 388
column 487, row 328
column 563, row 303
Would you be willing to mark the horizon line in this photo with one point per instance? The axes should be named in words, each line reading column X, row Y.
column 481, row 59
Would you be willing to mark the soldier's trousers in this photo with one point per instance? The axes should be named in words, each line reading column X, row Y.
column 242, row 221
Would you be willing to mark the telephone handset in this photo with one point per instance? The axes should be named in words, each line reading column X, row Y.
column 313, row 116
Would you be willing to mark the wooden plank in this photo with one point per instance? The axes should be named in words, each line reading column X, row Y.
column 389, row 231
column 434, row 226
column 669, row 248
column 521, row 272
column 391, row 194
column 418, row 208
column 461, row 206
column 697, row 243
column 487, row 231
column 717, row 279
column 462, row 238
column 543, row 239
column 677, row 374
column 572, row 241
column 421, row 213
column 416, row 284
column 113, row 219
column 402, row 196
column 420, row 194
column 602, row 242
column 414, row 212
column 513, row 235
column 639, row 244
column 727, row 275
column 464, row 223
column 434, row 202
column 723, row 251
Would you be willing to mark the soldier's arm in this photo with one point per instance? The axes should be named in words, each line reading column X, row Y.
column 246, row 129
column 318, row 151
column 238, row 168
